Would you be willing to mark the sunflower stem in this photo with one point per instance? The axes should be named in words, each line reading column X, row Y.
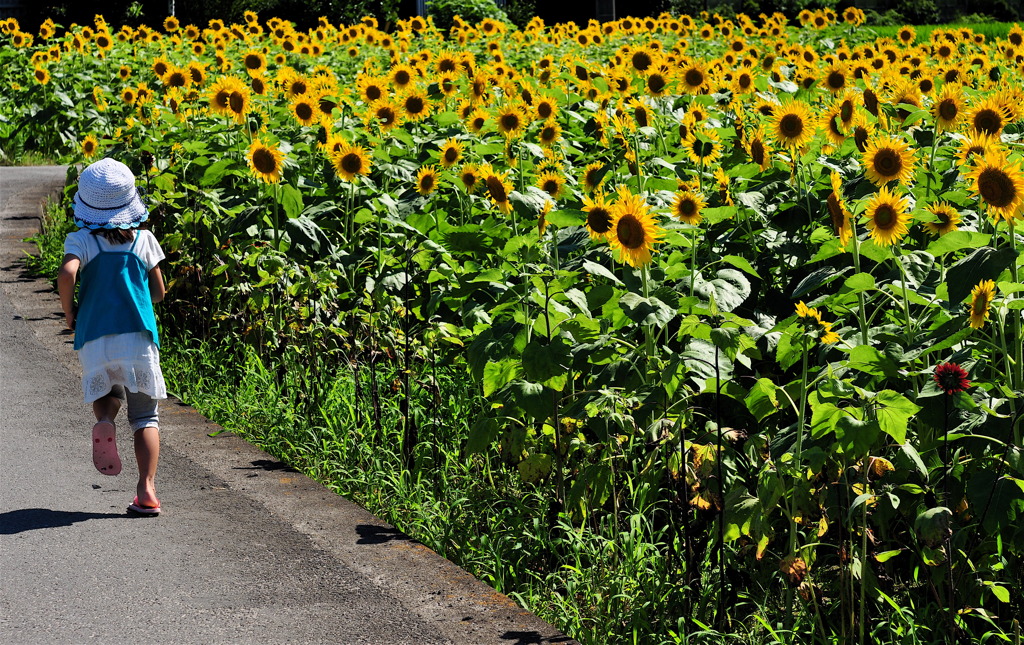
column 861, row 304
column 648, row 331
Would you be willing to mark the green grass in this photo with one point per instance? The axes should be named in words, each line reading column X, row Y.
column 991, row 30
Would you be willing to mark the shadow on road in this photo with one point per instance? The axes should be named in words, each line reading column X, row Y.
column 372, row 534
column 30, row 519
column 531, row 638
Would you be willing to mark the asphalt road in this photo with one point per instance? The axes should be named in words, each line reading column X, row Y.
column 246, row 551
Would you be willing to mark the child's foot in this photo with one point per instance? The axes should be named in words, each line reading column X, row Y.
column 104, row 448
column 145, row 501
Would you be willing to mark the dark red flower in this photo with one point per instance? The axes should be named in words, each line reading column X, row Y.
column 951, row 378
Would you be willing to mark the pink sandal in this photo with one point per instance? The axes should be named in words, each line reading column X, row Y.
column 135, row 507
column 104, row 448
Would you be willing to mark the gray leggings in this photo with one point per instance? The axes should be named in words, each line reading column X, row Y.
column 142, row 409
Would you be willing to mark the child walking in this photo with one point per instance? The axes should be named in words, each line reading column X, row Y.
column 115, row 327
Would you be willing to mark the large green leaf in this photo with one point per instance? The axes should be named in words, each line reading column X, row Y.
column 646, row 311
column 894, row 412
column 985, row 263
column 729, row 289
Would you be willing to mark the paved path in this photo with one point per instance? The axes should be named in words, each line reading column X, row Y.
column 246, row 550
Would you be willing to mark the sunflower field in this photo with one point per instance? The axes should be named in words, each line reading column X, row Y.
column 677, row 329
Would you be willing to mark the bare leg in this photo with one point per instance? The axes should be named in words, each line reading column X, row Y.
column 147, row 454
column 106, row 408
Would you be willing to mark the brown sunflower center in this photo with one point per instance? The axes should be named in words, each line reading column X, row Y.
column 641, row 60
column 656, row 83
column 402, row 77
column 548, row 134
column 351, row 163
column 686, row 207
column 177, row 79
column 427, row 182
column 373, row 92
column 304, row 111
column 988, row 121
column 414, row 105
column 89, row 146
column 836, row 80
column 451, row 155
column 544, row 109
column 996, row 187
column 509, row 121
column 694, row 77
column 885, row 217
column 887, row 162
column 641, row 117
column 468, row 179
column 630, row 232
column 160, row 68
column 702, row 149
column 496, row 189
column 791, row 126
column 757, row 151
column 446, row 65
column 948, row 109
column 835, row 211
column 252, row 61
column 299, row 87
column 599, row 220
column 550, row 186
column 263, row 161
column 235, row 102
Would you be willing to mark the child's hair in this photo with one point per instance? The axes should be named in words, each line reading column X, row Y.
column 116, row 235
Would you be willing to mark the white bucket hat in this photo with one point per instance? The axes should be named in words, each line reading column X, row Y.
column 107, row 197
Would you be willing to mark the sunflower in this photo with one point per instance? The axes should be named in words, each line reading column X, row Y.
column 220, row 93
column 296, row 85
column 592, row 177
column 831, row 123
column 633, row 229
column 371, row 88
column 42, row 75
column 128, row 95
column 694, row 77
column 402, row 76
column 255, row 62
column 350, row 161
column 947, row 219
column 948, row 107
column 545, row 108
column 386, row 113
column 836, row 77
column 265, row 161
column 177, row 77
column 415, row 104
column 976, row 144
column 304, row 111
column 469, row 177
column 498, row 188
column 791, row 124
column 703, row 148
column 837, row 210
column 989, row 117
column 171, row 24
column 658, row 82
column 599, row 216
column 887, row 217
column 888, row 159
column 1000, row 184
column 451, row 153
column 810, row 318
column 550, row 132
column 426, row 180
column 551, row 183
column 981, row 297
column 687, row 206
column 906, row 35
column 477, row 120
column 510, row 120
column 90, row 146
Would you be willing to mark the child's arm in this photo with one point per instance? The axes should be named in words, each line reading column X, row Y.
column 156, row 284
column 66, row 279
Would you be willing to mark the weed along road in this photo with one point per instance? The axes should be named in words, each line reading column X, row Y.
column 245, row 551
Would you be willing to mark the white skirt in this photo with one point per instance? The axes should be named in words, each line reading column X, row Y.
column 131, row 360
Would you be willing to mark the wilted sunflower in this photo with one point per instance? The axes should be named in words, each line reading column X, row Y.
column 687, row 206
column 887, row 217
column 837, row 210
column 551, row 183
column 1000, row 184
column 350, row 161
column 981, row 297
column 599, row 216
column 791, row 124
column 451, row 153
column 989, row 117
column 265, row 161
column 633, row 229
column 303, row 110
column 888, row 159
column 90, row 146
column 947, row 219
column 426, row 180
